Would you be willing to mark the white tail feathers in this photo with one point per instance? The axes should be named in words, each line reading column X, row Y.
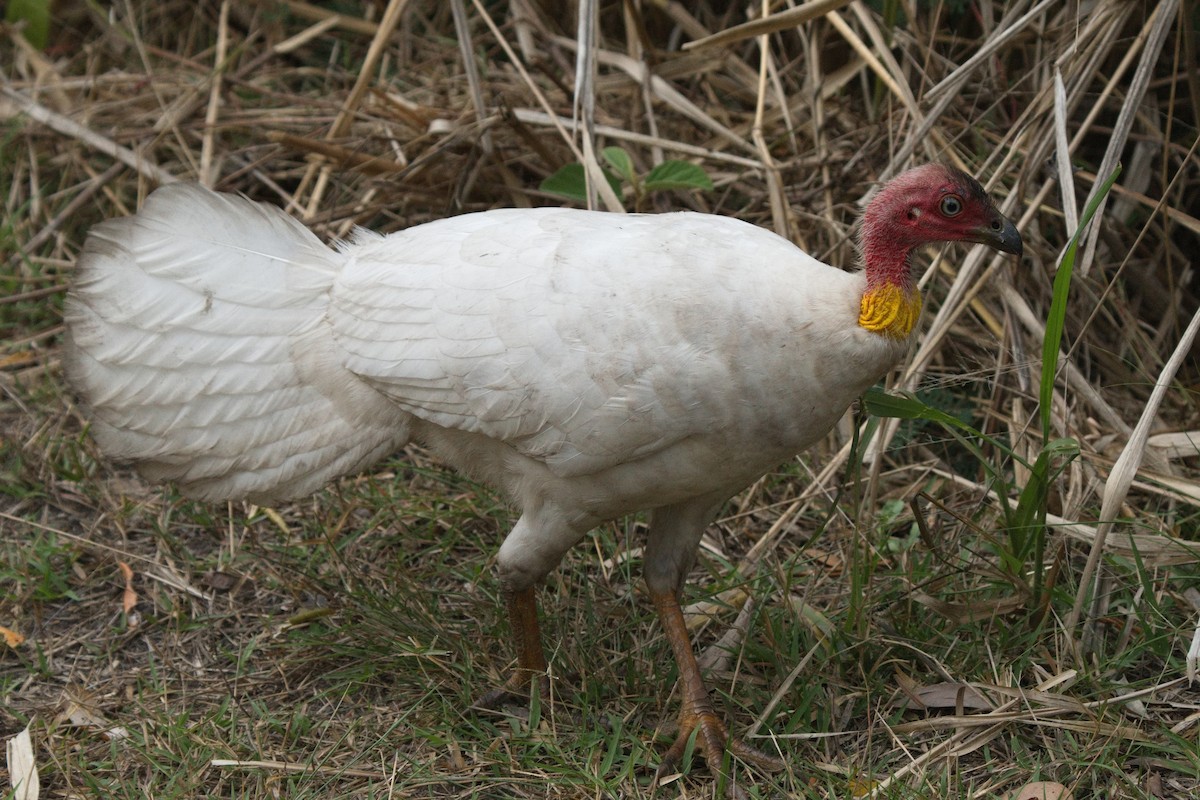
column 198, row 345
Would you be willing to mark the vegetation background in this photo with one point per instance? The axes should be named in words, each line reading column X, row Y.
column 997, row 590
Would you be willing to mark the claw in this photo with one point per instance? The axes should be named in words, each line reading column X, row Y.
column 712, row 740
column 514, row 690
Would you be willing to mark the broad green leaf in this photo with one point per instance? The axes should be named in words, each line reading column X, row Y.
column 36, row 16
column 569, row 181
column 620, row 161
column 677, row 175
column 1058, row 306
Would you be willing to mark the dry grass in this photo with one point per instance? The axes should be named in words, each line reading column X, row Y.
column 329, row 648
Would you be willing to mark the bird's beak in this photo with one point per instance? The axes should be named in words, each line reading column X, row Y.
column 1004, row 237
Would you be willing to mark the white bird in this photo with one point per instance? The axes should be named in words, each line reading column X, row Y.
column 587, row 364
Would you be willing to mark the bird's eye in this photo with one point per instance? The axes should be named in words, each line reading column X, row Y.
column 951, row 205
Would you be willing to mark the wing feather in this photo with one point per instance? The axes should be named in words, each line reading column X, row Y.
column 581, row 339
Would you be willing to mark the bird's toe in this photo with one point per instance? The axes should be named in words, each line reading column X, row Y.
column 515, row 690
column 711, row 739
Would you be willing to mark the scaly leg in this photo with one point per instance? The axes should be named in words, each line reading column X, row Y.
column 531, row 660
column 713, row 737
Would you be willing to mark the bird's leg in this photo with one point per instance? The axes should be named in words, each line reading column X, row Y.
column 531, row 660
column 697, row 714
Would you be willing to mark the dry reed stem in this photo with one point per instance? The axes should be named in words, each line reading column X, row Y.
column 68, row 127
column 779, row 214
column 1116, row 489
column 391, row 18
column 765, row 25
column 584, row 107
column 324, row 15
column 207, row 175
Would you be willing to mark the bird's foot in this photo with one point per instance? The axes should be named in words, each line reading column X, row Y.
column 712, row 740
column 514, row 690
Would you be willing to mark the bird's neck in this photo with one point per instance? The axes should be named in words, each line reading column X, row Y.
column 891, row 303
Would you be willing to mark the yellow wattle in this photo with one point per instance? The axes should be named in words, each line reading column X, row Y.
column 890, row 310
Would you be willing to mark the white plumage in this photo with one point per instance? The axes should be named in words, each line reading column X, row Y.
column 588, row 364
column 220, row 345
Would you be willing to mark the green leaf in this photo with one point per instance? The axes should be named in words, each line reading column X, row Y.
column 1063, row 447
column 882, row 404
column 567, row 181
column 36, row 16
column 1058, row 306
column 677, row 175
column 570, row 182
column 619, row 160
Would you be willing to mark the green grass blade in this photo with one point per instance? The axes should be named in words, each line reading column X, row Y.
column 883, row 404
column 1028, row 533
column 1058, row 305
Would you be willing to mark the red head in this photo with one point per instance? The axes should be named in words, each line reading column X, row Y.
column 931, row 203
